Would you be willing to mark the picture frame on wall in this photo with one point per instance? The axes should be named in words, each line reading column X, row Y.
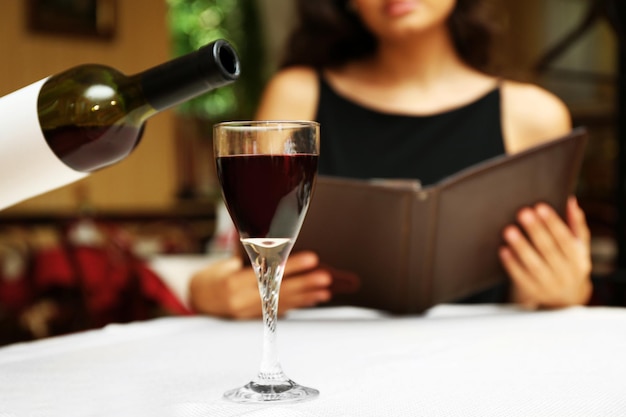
column 86, row 18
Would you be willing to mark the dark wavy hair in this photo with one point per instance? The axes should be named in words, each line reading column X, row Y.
column 329, row 34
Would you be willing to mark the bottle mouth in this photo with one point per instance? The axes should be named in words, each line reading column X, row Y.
column 227, row 59
column 211, row 66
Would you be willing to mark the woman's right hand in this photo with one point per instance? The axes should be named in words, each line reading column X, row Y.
column 229, row 289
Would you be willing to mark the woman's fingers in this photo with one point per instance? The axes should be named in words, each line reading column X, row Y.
column 306, row 290
column 526, row 253
column 300, row 262
column 577, row 221
column 526, row 289
column 549, row 262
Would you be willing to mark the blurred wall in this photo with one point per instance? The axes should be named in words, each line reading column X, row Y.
column 277, row 17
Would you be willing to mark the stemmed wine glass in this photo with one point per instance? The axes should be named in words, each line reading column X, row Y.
column 267, row 171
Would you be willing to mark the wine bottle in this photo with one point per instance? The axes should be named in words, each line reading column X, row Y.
column 60, row 129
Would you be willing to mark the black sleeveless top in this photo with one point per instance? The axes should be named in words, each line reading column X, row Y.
column 359, row 142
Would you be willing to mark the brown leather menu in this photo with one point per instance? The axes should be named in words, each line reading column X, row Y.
column 413, row 247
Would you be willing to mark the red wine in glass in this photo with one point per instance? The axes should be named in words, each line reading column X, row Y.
column 267, row 195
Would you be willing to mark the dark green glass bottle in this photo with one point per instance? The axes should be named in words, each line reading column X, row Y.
column 92, row 116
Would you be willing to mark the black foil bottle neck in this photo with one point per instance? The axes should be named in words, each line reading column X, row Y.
column 212, row 66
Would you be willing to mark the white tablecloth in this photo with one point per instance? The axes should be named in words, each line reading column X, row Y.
column 454, row 361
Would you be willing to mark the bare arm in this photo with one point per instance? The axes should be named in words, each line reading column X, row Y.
column 547, row 258
column 292, row 94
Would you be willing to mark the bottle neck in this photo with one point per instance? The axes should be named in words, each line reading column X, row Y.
column 191, row 75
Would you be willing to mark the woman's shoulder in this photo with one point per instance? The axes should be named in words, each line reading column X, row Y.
column 292, row 93
column 531, row 115
column 297, row 76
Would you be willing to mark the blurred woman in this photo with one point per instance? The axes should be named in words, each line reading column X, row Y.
column 408, row 82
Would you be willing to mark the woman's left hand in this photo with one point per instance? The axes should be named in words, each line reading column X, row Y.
column 548, row 260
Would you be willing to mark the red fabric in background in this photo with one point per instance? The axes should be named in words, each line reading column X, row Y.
column 82, row 286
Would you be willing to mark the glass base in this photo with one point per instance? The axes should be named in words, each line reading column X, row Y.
column 283, row 391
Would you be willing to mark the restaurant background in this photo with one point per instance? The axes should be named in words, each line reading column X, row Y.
column 164, row 193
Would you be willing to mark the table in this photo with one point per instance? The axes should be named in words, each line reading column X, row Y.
column 484, row 360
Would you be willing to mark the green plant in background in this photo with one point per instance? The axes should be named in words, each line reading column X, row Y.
column 194, row 23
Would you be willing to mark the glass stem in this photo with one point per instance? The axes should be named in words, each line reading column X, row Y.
column 270, row 273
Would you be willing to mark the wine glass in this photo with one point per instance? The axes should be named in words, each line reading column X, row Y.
column 267, row 171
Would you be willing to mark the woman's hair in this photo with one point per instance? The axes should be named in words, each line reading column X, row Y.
column 329, row 34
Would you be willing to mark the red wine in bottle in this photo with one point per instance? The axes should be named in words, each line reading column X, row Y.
column 267, row 195
column 61, row 128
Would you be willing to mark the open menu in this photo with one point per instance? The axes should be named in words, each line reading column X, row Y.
column 413, row 247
